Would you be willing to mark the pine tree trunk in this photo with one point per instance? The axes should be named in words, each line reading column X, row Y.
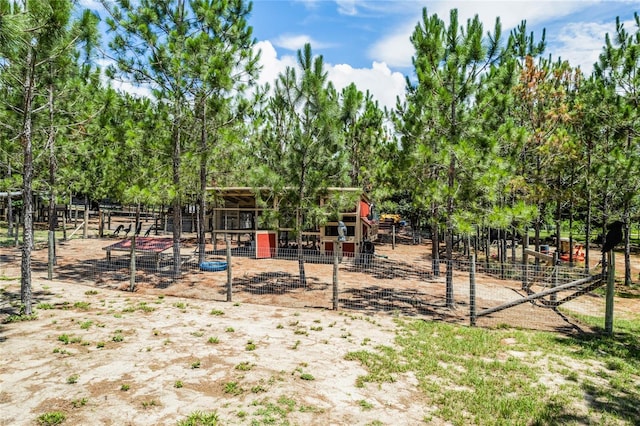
column 177, row 205
column 627, row 246
column 588, row 219
column 301, row 270
column 203, row 186
column 435, row 242
column 27, row 178
column 10, row 223
column 449, row 237
column 52, row 191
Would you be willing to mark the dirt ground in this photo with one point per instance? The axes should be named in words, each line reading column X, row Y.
column 106, row 356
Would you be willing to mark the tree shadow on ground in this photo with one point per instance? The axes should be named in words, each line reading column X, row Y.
column 101, row 272
column 620, row 354
column 404, row 302
column 275, row 283
column 390, row 269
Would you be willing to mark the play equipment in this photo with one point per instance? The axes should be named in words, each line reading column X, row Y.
column 213, row 266
column 578, row 251
column 144, row 245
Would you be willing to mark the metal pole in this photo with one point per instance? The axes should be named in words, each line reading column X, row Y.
column 472, row 290
column 525, row 260
column 229, row 273
column 335, row 275
column 132, row 264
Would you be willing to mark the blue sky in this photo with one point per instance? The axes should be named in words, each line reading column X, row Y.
column 367, row 41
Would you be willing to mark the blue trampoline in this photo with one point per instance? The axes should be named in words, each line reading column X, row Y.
column 213, row 266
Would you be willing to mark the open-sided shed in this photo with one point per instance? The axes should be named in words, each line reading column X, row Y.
column 238, row 211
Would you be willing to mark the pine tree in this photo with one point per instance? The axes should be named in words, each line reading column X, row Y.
column 185, row 53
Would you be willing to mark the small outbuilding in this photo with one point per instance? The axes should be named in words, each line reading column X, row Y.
column 267, row 225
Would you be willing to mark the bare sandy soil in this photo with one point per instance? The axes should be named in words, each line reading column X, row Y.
column 105, row 356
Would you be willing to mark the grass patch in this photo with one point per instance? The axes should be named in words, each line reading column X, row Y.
column 233, row 388
column 199, row 418
column 307, row 376
column 270, row 412
column 365, row 405
column 150, row 403
column 20, row 318
column 80, row 402
column 244, row 366
column 471, row 376
column 51, row 418
column 44, row 306
column 82, row 305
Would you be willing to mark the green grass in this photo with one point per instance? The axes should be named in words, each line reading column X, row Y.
column 471, row 376
column 44, row 306
column 52, row 418
column 199, row 418
column 268, row 412
column 21, row 318
column 82, row 305
column 233, row 388
column 80, row 402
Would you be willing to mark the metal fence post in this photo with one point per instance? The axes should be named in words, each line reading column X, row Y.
column 229, row 272
column 132, row 265
column 472, row 289
column 337, row 247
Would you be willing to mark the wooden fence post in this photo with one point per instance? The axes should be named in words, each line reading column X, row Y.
column 611, row 287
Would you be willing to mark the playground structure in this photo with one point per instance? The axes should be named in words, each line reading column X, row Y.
column 237, row 211
column 567, row 254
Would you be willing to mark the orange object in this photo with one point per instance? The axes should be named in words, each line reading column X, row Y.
column 578, row 254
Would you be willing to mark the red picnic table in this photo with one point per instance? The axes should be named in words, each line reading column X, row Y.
column 146, row 245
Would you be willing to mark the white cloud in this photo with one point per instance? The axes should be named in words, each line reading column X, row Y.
column 122, row 86
column 395, row 48
column 580, row 44
column 90, row 4
column 384, row 84
column 296, row 42
column 272, row 66
column 347, row 7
